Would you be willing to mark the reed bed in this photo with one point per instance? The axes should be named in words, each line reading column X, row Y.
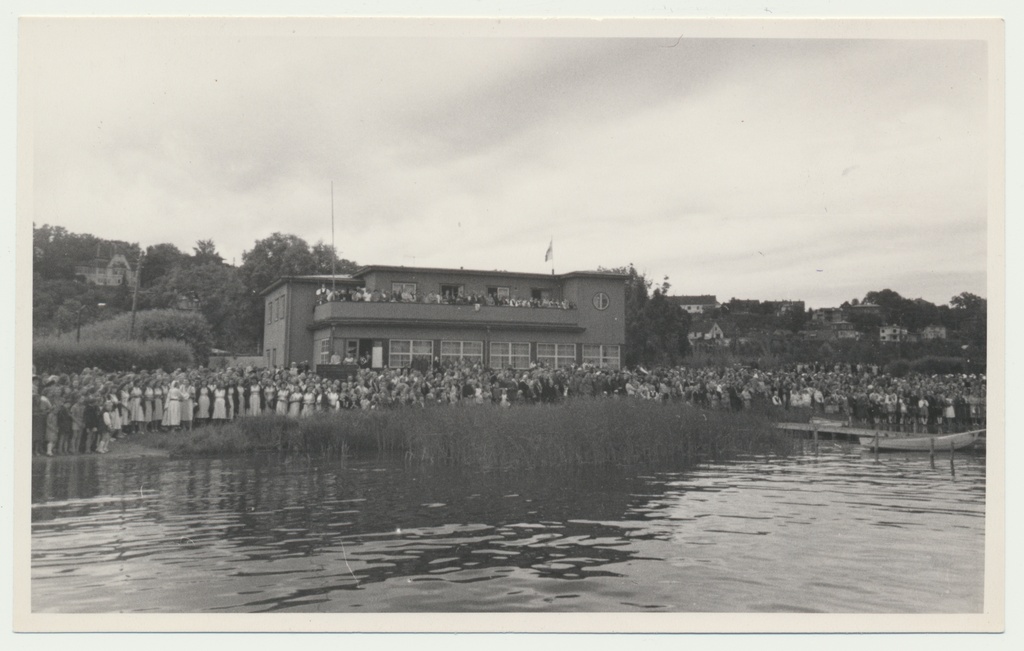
column 578, row 432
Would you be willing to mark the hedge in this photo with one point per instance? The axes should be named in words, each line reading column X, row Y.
column 56, row 355
column 180, row 325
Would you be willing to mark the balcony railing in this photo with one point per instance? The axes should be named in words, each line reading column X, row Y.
column 347, row 312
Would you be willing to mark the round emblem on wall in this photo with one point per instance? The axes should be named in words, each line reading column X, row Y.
column 601, row 301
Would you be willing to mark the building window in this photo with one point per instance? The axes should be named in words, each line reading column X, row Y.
column 457, row 351
column 270, row 315
column 273, row 357
column 601, row 356
column 540, row 294
column 406, row 352
column 499, row 292
column 277, row 307
column 601, row 301
column 452, row 291
column 352, row 349
column 556, row 355
column 510, row 354
column 404, row 288
column 325, row 350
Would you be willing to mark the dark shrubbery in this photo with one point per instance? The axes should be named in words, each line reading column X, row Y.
column 63, row 355
column 899, row 368
column 932, row 365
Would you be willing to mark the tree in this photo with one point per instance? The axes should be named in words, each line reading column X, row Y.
column 324, row 254
column 160, row 260
column 969, row 303
column 56, row 251
column 205, row 252
column 656, row 328
column 217, row 291
column 970, row 313
column 797, row 318
column 668, row 326
column 271, row 258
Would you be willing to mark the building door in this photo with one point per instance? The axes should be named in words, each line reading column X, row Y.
column 365, row 352
column 378, row 354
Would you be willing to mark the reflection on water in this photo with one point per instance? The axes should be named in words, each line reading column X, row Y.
column 837, row 532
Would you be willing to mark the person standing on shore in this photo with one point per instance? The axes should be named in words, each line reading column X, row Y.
column 77, row 423
column 41, row 407
column 220, row 412
column 188, row 404
column 52, row 427
column 93, row 422
column 157, row 417
column 147, row 406
column 172, row 414
column 137, row 413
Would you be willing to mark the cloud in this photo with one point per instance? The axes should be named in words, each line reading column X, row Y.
column 867, row 159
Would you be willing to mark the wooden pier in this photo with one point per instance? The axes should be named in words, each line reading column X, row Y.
column 834, row 430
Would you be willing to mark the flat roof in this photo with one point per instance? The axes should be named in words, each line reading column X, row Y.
column 362, row 271
column 344, row 279
column 356, row 277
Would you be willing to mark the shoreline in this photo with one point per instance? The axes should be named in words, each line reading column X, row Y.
column 126, row 447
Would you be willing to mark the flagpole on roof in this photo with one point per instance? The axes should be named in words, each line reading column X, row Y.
column 334, row 255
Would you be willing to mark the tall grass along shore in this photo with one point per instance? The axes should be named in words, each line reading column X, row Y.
column 577, row 432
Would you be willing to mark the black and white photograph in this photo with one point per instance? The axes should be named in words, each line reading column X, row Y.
column 439, row 324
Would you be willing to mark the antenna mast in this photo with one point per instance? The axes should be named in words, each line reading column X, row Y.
column 334, row 254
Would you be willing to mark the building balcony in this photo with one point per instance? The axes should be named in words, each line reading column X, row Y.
column 448, row 316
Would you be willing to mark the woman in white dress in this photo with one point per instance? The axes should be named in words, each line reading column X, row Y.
column 220, row 411
column 138, row 414
column 294, row 401
column 254, row 398
column 283, row 395
column 172, row 414
column 147, row 406
column 203, row 411
column 269, row 396
column 188, row 402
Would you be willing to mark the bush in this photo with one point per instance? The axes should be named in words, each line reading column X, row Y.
column 932, row 365
column 899, row 368
column 63, row 355
column 179, row 325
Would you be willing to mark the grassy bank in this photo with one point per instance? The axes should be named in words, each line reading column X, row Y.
column 580, row 432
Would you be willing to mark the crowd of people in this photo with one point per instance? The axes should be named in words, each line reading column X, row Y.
column 83, row 412
column 361, row 294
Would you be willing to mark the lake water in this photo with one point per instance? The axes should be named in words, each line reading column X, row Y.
column 835, row 532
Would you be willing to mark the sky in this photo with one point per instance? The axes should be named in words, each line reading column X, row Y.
column 816, row 169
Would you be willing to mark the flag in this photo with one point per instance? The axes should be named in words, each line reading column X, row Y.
column 551, row 253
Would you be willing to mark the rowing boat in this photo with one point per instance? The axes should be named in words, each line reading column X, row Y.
column 887, row 441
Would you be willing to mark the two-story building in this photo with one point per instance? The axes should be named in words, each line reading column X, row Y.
column 113, row 271
column 419, row 316
column 696, row 304
column 891, row 333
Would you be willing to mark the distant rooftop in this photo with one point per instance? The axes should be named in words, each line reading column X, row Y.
column 702, row 299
